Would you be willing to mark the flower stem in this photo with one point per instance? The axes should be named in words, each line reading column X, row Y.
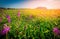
column 6, row 35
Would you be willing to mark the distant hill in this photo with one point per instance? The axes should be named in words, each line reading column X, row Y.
column 41, row 8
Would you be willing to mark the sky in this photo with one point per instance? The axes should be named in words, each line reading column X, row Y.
column 50, row 4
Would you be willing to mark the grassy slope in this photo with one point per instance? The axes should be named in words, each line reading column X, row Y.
column 37, row 27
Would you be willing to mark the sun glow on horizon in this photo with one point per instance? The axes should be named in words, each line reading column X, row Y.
column 34, row 4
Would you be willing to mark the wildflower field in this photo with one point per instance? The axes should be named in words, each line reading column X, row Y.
column 29, row 24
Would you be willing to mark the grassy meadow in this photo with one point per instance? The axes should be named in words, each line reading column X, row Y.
column 31, row 23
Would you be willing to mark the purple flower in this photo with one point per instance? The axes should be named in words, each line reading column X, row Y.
column 18, row 14
column 8, row 18
column 31, row 16
column 5, row 29
column 56, row 31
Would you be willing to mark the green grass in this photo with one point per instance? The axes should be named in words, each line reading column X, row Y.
column 30, row 28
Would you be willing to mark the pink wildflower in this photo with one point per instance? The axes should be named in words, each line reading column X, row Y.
column 8, row 18
column 56, row 31
column 18, row 14
column 31, row 16
column 5, row 29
